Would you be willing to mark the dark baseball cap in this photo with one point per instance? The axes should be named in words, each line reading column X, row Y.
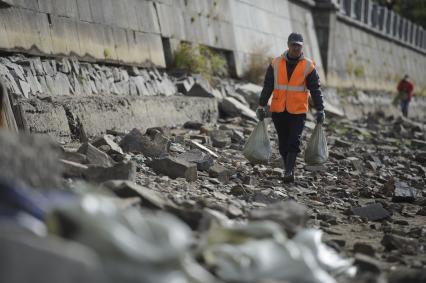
column 295, row 38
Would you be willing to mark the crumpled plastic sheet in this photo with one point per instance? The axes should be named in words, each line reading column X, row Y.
column 261, row 251
column 317, row 150
column 134, row 245
column 258, row 147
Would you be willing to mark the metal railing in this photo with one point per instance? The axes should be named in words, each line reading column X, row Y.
column 384, row 20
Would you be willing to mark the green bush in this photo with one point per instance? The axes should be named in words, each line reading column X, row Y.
column 201, row 60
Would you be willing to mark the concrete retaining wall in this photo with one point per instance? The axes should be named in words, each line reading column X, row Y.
column 134, row 31
column 63, row 117
column 369, row 47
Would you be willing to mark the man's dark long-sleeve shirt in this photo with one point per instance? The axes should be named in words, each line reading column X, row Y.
column 312, row 84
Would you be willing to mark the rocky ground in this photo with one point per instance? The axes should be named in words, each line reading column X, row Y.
column 369, row 198
column 217, row 217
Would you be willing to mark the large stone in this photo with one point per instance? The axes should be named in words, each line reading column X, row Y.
column 372, row 212
column 73, row 169
column 95, row 156
column 203, row 160
column 220, row 138
column 29, row 258
column 251, row 93
column 175, row 168
column 185, row 85
column 30, row 160
column 137, row 142
column 421, row 144
column 193, row 125
column 109, row 141
column 220, row 172
column 74, row 157
column 404, row 245
column 231, row 107
column 404, row 193
column 367, row 263
column 127, row 189
column 195, row 144
column 421, row 158
column 120, row 171
column 292, row 216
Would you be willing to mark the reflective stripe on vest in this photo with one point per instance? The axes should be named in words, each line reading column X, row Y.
column 287, row 87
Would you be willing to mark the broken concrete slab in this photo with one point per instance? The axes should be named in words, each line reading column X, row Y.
column 95, row 156
column 74, row 157
column 137, row 142
column 231, row 107
column 373, row 212
column 203, row 160
column 193, row 125
column 405, row 245
column 120, row 171
column 404, row 193
column 73, row 169
column 127, row 189
column 203, row 148
column 108, row 140
column 220, row 172
column 175, row 168
column 364, row 248
column 220, row 138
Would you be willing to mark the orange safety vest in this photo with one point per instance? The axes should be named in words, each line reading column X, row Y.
column 290, row 95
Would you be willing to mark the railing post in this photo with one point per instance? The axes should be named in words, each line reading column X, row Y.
column 347, row 7
column 389, row 21
column 358, row 8
column 382, row 18
column 395, row 24
column 406, row 30
column 374, row 15
column 367, row 12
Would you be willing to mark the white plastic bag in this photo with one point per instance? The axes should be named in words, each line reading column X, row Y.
column 317, row 151
column 258, row 148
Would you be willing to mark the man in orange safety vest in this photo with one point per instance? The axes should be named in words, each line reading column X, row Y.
column 290, row 79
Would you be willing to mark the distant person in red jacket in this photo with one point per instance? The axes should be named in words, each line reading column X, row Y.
column 405, row 90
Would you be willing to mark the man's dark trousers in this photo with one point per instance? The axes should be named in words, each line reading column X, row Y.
column 289, row 128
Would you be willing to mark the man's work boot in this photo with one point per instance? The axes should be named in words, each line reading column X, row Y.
column 290, row 163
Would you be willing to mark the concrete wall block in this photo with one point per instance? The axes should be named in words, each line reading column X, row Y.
column 154, row 46
column 84, row 11
column 122, row 49
column 4, row 37
column 97, row 10
column 46, row 118
column 147, row 17
column 100, row 113
column 65, row 8
column 65, row 36
column 24, row 29
column 92, row 41
column 45, row 6
column 223, row 37
column 171, row 21
column 26, row 4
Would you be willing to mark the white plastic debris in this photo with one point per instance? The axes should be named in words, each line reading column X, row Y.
column 261, row 251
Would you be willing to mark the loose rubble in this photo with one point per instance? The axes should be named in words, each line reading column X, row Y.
column 213, row 216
